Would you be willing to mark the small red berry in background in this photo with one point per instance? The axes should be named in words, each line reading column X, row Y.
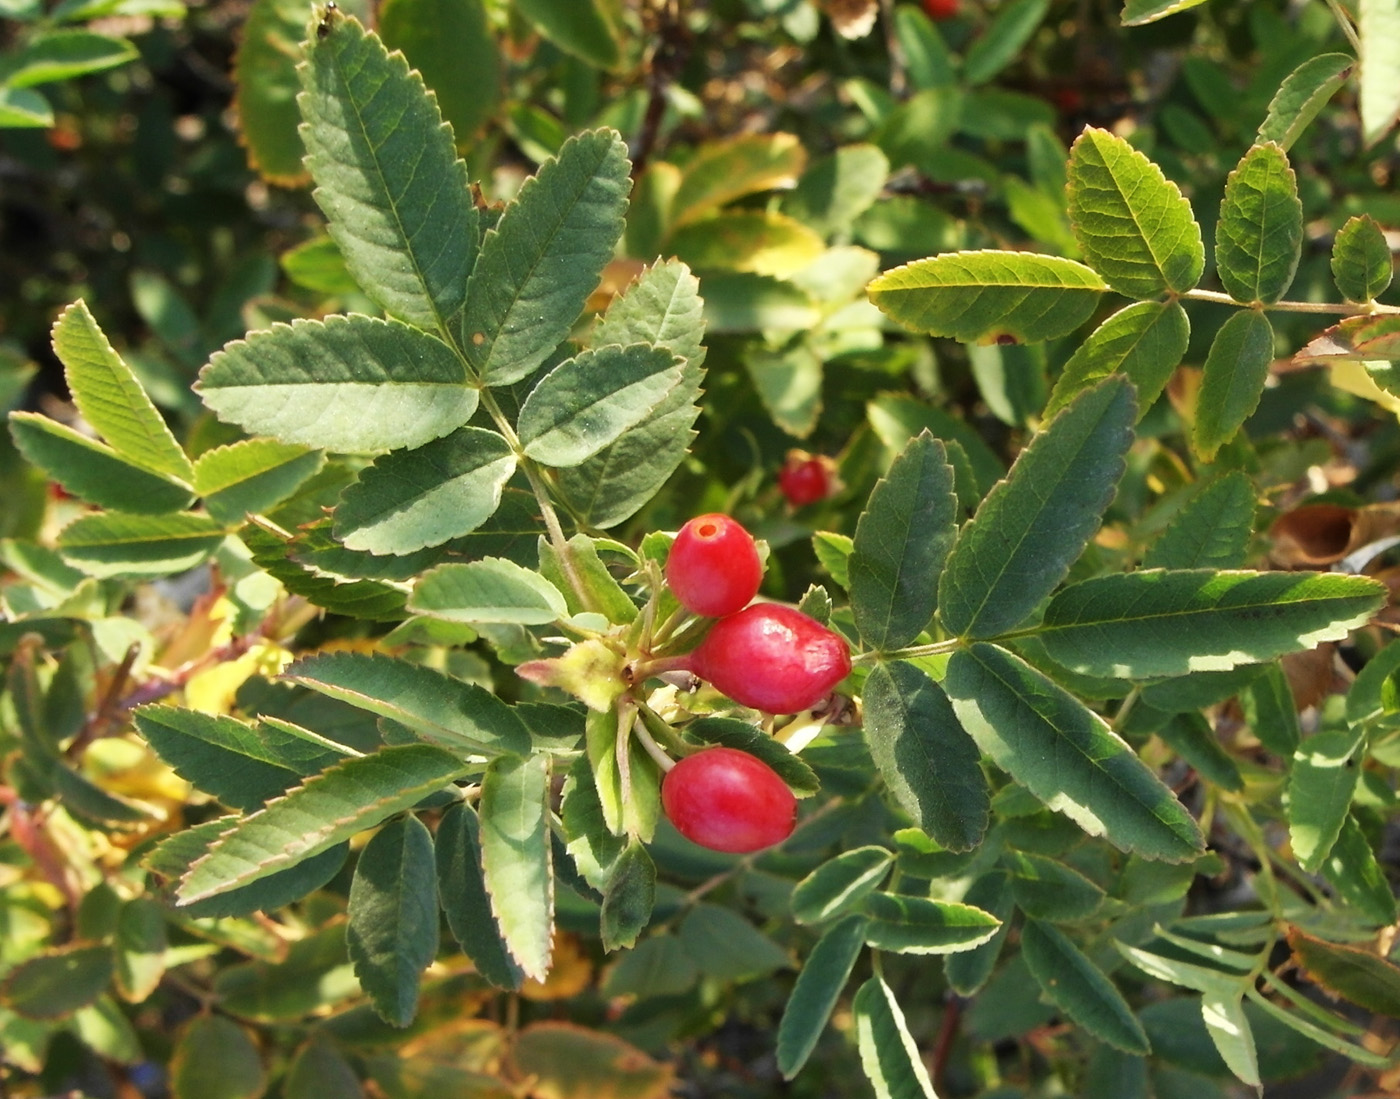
column 807, row 479
column 728, row 800
column 714, row 567
column 772, row 658
column 939, row 10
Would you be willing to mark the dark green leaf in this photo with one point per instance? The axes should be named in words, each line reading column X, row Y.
column 1361, row 262
column 926, row 759
column 1270, row 710
column 824, row 975
column 465, row 902
column 839, row 885
column 888, row 1054
column 580, row 27
column 544, row 256
column 326, row 810
column 1080, row 989
column 1321, row 785
column 57, row 982
column 1011, row 28
column 1033, row 525
column 216, row 1059
column 968, row 970
column 1160, row 622
column 629, row 897
column 1065, row 755
column 450, row 42
column 733, row 733
column 251, row 476
column 1048, row 890
column 1361, row 975
column 114, row 543
column 902, row 539
column 1191, row 737
column 1353, row 871
column 411, row 499
column 392, row 935
column 64, row 55
column 387, row 176
column 1301, row 97
column 1212, row 530
column 357, row 598
column 1232, row 380
column 727, row 946
column 266, row 86
column 918, row 925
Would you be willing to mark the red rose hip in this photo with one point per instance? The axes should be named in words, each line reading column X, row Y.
column 941, row 9
column 714, row 568
column 728, row 800
column 805, row 479
column 772, row 658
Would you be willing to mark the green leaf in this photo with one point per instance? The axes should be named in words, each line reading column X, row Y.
column 1361, row 261
column 515, row 857
column 490, row 590
column 139, row 946
column 1173, row 969
column 1301, row 97
column 739, row 301
column 1144, row 341
column 1001, row 43
column 573, row 1062
column 1363, row 976
column 838, row 188
column 578, row 27
column 985, row 295
column 1136, row 13
column 465, row 902
column 629, row 897
column 1321, row 784
column 918, row 925
column 1134, row 225
column 1229, row 1029
column 215, row 1059
column 24, row 108
column 173, row 855
column 600, row 591
column 392, row 934
column 1322, row 1037
column 114, row 543
column 411, row 499
column 451, row 44
column 837, row 886
column 1378, row 26
column 64, row 55
column 1160, row 622
column 326, row 810
column 1259, row 237
column 1353, row 871
column 1048, row 890
column 310, row 382
column 927, row 761
column 789, row 383
column 1079, row 988
column 544, row 257
column 586, row 402
column 824, row 974
column 1211, row 531
column 887, row 1051
column 902, row 540
column 1066, row 755
column 451, row 712
column 1191, row 737
column 762, row 241
column 265, row 89
column 58, row 982
column 318, row 1069
column 722, row 171
column 395, row 196
column 111, row 399
column 251, row 476
column 968, row 970
column 1234, row 374
column 1032, row 526
column 357, row 598
column 733, row 733
column 727, row 946
column 94, row 471
column 240, row 765
column 1270, row 711
column 318, row 265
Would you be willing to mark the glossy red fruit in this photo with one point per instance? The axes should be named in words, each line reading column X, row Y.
column 941, row 9
column 772, row 658
column 728, row 800
column 806, row 479
column 714, row 568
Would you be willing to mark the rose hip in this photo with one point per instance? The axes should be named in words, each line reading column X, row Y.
column 728, row 800
column 807, row 479
column 714, row 567
column 772, row 658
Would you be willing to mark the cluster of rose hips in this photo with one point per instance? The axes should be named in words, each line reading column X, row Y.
column 762, row 655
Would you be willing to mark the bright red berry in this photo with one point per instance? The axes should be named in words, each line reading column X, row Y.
column 941, row 9
column 806, row 479
column 714, row 568
column 728, row 800
column 772, row 658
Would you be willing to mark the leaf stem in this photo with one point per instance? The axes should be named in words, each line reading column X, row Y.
column 653, row 749
column 910, row 652
column 1344, row 18
column 1341, row 309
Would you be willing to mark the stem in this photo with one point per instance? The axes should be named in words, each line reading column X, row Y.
column 898, row 81
column 625, row 721
column 912, row 652
column 653, row 749
column 1340, row 309
column 1344, row 18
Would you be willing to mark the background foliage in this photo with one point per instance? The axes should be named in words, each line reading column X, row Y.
column 347, row 426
